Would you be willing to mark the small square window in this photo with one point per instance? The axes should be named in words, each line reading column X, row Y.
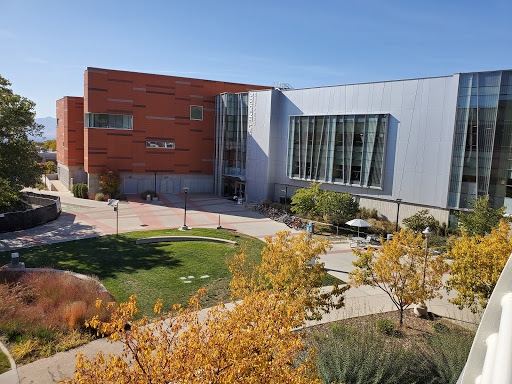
column 196, row 112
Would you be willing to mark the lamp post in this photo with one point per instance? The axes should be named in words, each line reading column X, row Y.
column 398, row 201
column 184, row 227
column 421, row 308
column 110, row 183
column 285, row 190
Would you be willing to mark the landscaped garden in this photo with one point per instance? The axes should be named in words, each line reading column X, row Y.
column 45, row 315
column 373, row 349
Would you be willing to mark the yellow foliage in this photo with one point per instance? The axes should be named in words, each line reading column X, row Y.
column 477, row 265
column 252, row 342
column 289, row 266
column 403, row 269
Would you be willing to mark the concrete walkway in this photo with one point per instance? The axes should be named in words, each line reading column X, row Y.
column 85, row 218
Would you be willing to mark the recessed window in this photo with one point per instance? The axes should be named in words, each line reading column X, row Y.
column 160, row 144
column 196, row 112
column 103, row 120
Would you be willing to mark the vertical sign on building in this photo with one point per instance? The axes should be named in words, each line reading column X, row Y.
column 251, row 121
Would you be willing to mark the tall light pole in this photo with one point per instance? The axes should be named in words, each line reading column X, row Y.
column 110, row 183
column 285, row 190
column 184, row 227
column 421, row 308
column 398, row 201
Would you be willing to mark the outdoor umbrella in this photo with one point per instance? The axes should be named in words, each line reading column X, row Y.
column 358, row 223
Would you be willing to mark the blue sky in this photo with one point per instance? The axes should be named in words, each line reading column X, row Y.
column 46, row 45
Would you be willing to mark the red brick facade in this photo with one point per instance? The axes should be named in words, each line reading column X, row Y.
column 70, row 131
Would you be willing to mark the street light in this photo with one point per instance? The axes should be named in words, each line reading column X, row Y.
column 398, row 201
column 285, row 195
column 115, row 204
column 421, row 308
column 110, row 183
column 184, row 227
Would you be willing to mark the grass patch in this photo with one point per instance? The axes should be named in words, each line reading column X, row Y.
column 5, row 365
column 151, row 271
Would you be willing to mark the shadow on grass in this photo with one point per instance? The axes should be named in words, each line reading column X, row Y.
column 107, row 256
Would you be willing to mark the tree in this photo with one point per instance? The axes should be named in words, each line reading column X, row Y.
column 403, row 269
column 290, row 265
column 336, row 207
column 477, row 265
column 18, row 155
column 50, row 144
column 49, row 167
column 482, row 219
column 252, row 342
column 420, row 221
column 305, row 200
column 110, row 182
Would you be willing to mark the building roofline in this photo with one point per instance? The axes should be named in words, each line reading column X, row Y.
column 176, row 77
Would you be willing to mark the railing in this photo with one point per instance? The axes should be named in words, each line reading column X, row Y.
column 490, row 358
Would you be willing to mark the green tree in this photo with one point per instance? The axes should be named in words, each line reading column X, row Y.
column 50, row 144
column 337, row 208
column 18, row 155
column 482, row 219
column 305, row 200
column 50, row 167
column 421, row 220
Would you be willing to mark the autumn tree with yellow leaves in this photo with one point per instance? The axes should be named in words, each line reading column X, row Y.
column 477, row 265
column 403, row 269
column 248, row 341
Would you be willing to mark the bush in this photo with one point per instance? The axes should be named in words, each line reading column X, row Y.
column 148, row 192
column 385, row 326
column 40, row 310
column 81, row 190
column 367, row 213
column 380, row 227
column 267, row 203
column 99, row 197
column 364, row 357
column 277, row 206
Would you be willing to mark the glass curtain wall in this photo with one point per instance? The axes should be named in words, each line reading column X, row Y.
column 481, row 163
column 230, row 142
column 344, row 149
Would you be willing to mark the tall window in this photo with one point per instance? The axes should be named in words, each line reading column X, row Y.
column 345, row 149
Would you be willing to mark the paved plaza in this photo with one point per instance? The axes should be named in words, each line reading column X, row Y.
column 86, row 218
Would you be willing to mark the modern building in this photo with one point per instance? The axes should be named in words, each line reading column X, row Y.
column 153, row 129
column 422, row 143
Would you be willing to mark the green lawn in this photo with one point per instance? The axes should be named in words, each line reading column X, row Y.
column 5, row 365
column 151, row 271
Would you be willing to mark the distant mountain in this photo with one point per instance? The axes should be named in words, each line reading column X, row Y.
column 50, row 128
